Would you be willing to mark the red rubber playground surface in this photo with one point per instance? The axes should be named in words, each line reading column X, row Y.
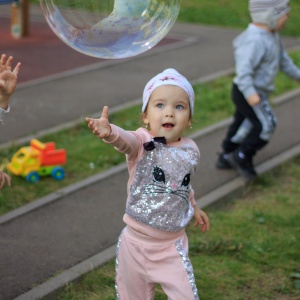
column 42, row 53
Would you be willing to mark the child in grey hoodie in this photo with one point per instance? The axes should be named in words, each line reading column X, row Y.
column 259, row 55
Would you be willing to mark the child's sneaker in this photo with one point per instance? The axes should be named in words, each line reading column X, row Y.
column 222, row 162
column 243, row 165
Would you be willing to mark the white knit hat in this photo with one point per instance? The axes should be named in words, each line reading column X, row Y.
column 268, row 11
column 168, row 77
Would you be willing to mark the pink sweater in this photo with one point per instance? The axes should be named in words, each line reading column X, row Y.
column 160, row 198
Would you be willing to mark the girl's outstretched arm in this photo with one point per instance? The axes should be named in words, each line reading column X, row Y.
column 100, row 127
column 201, row 219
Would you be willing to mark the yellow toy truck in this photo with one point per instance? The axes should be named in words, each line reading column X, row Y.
column 38, row 159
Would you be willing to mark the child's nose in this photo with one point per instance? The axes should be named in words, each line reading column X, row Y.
column 169, row 112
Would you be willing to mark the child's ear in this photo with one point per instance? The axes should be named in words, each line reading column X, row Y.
column 145, row 119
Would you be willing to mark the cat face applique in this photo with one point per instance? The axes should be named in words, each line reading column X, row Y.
column 159, row 195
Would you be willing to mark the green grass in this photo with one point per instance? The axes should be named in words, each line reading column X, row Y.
column 251, row 252
column 212, row 104
column 230, row 13
column 227, row 13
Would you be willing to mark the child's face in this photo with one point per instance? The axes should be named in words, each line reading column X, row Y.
column 168, row 112
column 281, row 22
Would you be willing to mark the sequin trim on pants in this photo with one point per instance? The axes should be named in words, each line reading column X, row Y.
column 188, row 268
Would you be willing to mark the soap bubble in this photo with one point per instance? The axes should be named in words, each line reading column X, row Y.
column 111, row 28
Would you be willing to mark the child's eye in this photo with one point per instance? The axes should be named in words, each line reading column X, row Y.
column 159, row 105
column 179, row 106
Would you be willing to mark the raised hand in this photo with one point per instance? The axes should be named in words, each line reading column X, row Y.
column 100, row 127
column 8, row 79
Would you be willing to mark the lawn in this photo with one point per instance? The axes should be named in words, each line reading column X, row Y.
column 225, row 13
column 230, row 13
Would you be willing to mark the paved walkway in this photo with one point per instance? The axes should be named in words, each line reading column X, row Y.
column 70, row 227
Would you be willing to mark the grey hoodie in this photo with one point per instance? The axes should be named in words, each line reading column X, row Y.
column 259, row 55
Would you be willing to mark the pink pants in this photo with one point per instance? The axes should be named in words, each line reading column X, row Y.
column 143, row 261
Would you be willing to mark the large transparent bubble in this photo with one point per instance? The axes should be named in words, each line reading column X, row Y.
column 111, row 28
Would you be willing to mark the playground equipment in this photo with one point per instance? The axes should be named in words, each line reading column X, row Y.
column 38, row 159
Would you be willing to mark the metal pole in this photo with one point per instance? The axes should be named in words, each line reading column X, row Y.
column 25, row 19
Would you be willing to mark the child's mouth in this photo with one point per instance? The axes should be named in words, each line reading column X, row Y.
column 168, row 125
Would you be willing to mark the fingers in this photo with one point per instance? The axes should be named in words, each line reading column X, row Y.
column 2, row 181
column 6, row 64
column 8, row 179
column 4, row 177
column 100, row 127
column 105, row 112
column 202, row 220
column 17, row 69
column 9, row 63
column 91, row 123
column 206, row 225
column 203, row 226
column 3, row 58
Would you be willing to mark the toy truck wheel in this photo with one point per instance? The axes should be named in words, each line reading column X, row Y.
column 32, row 177
column 58, row 173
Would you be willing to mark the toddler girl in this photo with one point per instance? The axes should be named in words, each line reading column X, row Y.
column 153, row 247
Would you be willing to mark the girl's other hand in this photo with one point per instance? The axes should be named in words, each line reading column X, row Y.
column 201, row 219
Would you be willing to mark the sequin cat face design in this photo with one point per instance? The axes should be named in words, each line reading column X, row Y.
column 163, row 185
column 160, row 191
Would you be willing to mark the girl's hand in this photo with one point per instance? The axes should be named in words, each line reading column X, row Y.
column 4, row 177
column 8, row 79
column 100, row 127
column 201, row 219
